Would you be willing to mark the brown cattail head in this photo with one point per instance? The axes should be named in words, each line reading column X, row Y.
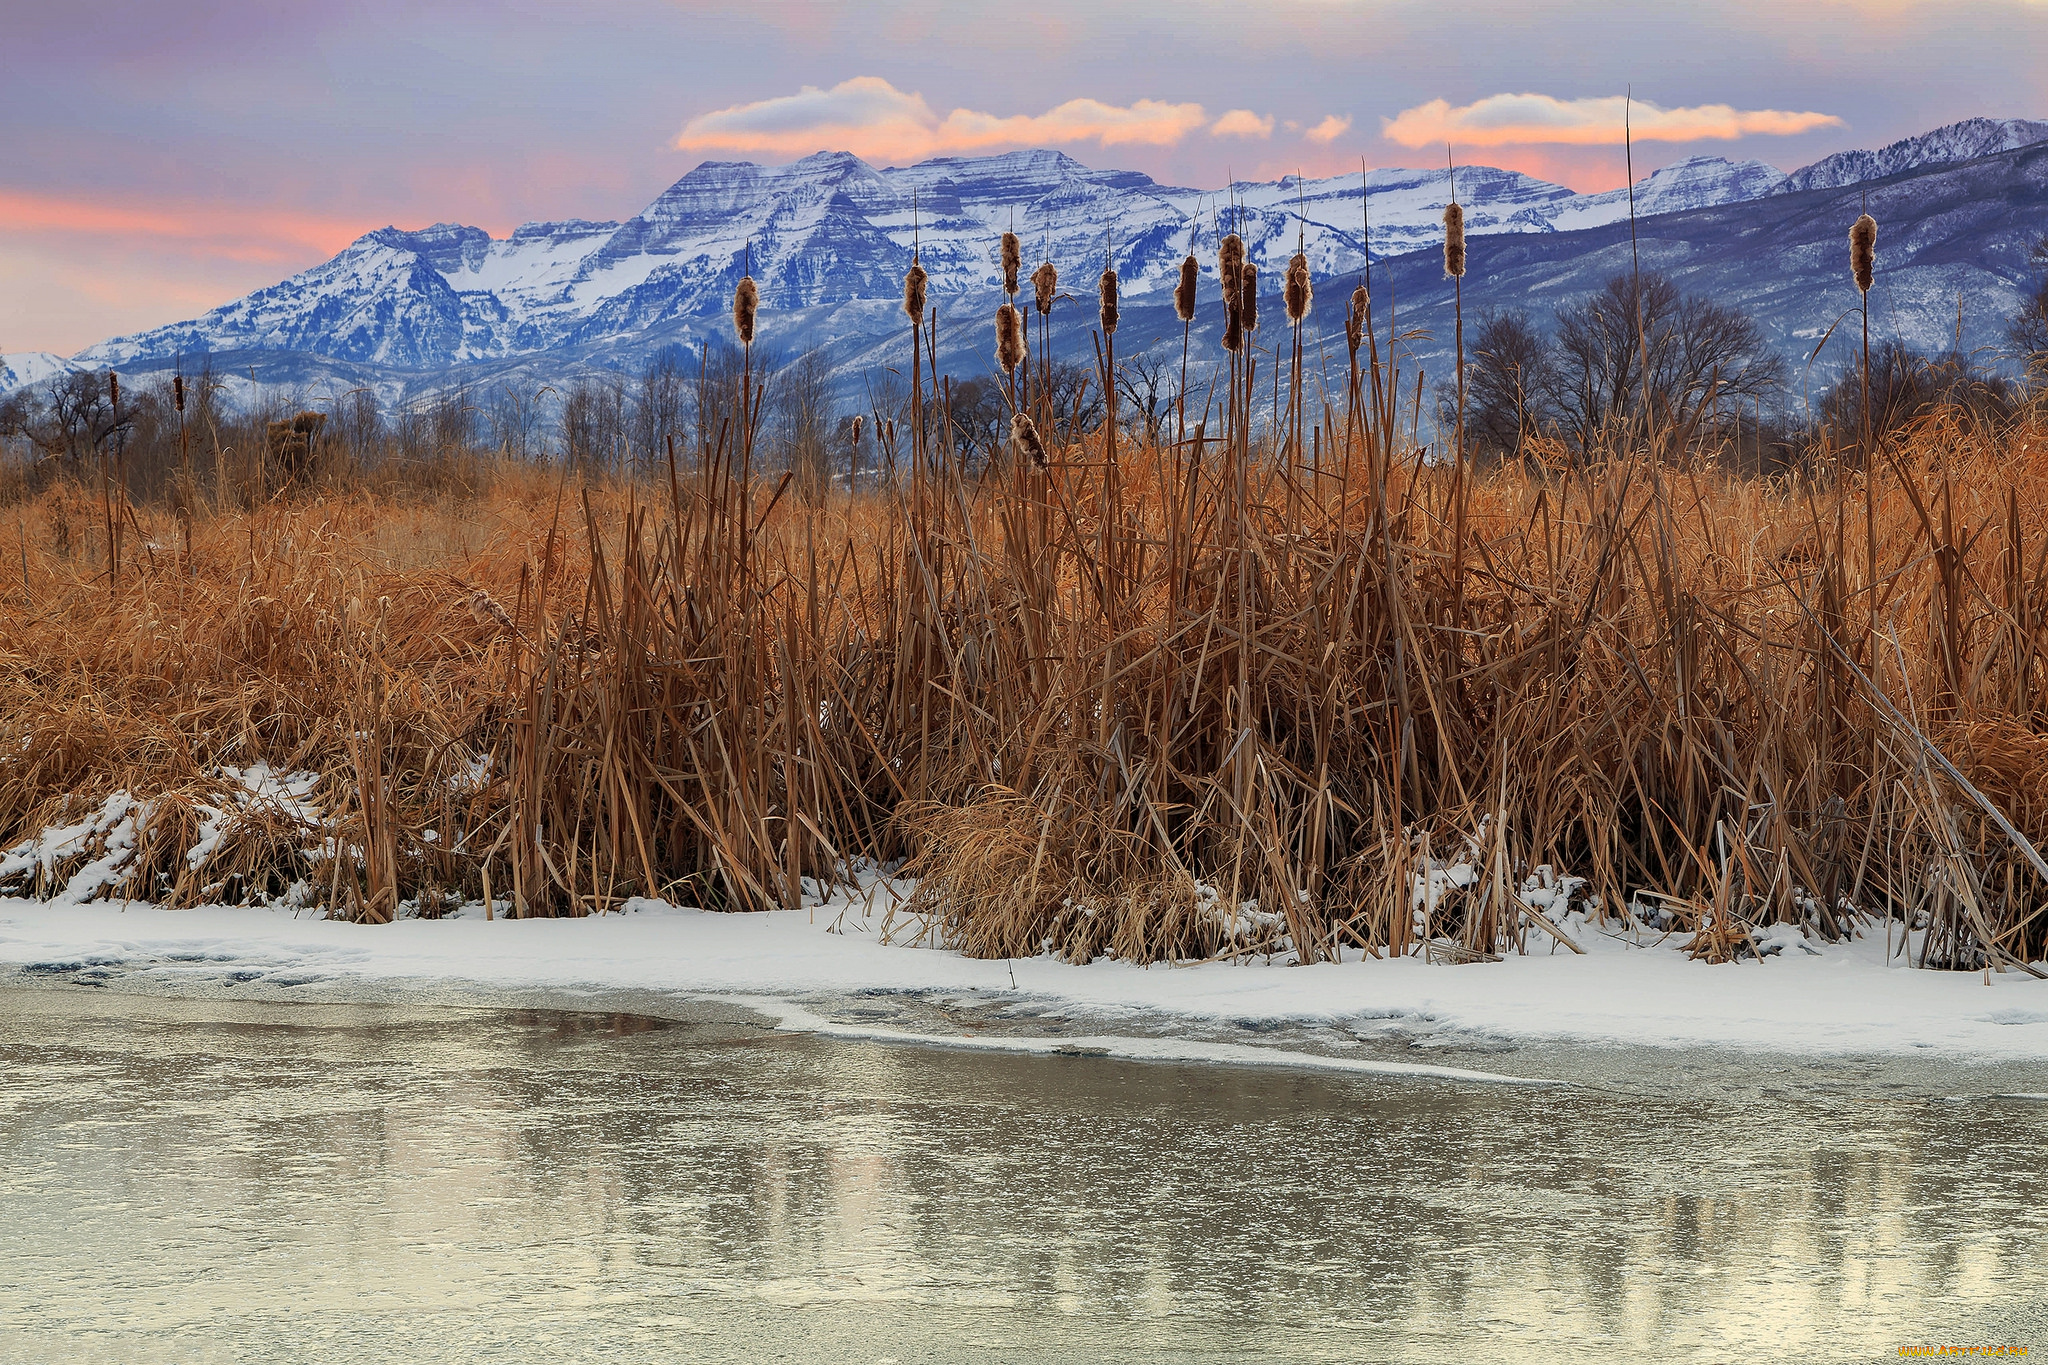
column 913, row 292
column 1301, row 290
column 1354, row 321
column 1013, row 261
column 1024, row 435
column 1229, row 256
column 1863, row 251
column 1454, row 239
column 1107, row 288
column 178, row 391
column 889, row 433
column 746, row 301
column 1045, row 280
column 114, row 388
column 856, row 428
column 1248, row 296
column 1009, row 338
column 1184, row 292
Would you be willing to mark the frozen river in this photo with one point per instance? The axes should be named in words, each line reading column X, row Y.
column 197, row 1180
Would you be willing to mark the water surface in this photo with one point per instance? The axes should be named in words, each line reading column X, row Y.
column 197, row 1180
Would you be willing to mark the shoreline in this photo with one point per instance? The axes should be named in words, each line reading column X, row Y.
column 1819, row 1000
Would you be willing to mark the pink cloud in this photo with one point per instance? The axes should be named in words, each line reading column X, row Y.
column 237, row 233
column 1329, row 130
column 1506, row 120
column 1242, row 123
column 872, row 118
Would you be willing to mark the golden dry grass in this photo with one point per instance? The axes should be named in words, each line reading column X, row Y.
column 1167, row 701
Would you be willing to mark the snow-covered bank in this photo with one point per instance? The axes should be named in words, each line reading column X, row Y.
column 1832, row 999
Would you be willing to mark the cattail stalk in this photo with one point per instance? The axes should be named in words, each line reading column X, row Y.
column 1184, row 309
column 913, row 308
column 746, row 303
column 1454, row 266
column 107, row 487
column 1045, row 283
column 1013, row 262
column 1863, row 270
column 1296, row 296
column 1009, row 345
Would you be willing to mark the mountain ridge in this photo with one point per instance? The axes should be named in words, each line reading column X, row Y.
column 828, row 238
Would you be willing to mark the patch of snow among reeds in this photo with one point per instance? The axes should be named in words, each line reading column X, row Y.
column 106, row 838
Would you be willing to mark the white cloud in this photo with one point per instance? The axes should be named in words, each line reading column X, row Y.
column 1501, row 120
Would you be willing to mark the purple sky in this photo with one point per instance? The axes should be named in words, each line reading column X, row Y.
column 163, row 157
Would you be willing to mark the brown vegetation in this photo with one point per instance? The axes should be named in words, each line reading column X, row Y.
column 1218, row 690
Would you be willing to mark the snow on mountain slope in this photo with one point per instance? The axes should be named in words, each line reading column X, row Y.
column 827, row 230
column 1956, row 142
column 23, row 368
column 1695, row 183
column 829, row 238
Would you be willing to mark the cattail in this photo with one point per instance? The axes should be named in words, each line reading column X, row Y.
column 1300, row 292
column 1013, row 261
column 114, row 389
column 1107, row 288
column 1045, row 280
column 746, row 301
column 1230, row 270
column 1184, row 293
column 913, row 292
column 1454, row 239
column 1248, row 296
column 889, row 433
column 1863, row 251
column 1354, row 321
column 1024, row 435
column 856, row 428
column 484, row 607
column 178, row 391
column 1229, row 257
column 1009, row 338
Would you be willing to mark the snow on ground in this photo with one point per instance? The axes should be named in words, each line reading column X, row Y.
column 1807, row 998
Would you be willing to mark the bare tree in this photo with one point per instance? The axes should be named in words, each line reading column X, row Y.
column 1689, row 358
column 1074, row 398
column 981, row 419
column 1148, row 387
column 2028, row 328
column 718, row 389
column 1509, row 374
column 661, row 411
column 804, row 422
column 1906, row 386
column 514, row 416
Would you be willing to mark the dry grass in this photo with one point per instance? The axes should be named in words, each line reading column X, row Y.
column 1160, row 702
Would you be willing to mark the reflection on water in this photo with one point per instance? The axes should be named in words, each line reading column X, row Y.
column 193, row 1181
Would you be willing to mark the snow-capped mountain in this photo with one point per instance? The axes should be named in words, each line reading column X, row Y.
column 831, row 230
column 1695, row 183
column 23, row 368
column 1963, row 141
column 829, row 239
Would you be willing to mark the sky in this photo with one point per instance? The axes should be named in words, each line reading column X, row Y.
column 161, row 157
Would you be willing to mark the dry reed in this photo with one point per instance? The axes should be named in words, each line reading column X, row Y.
column 1177, row 702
